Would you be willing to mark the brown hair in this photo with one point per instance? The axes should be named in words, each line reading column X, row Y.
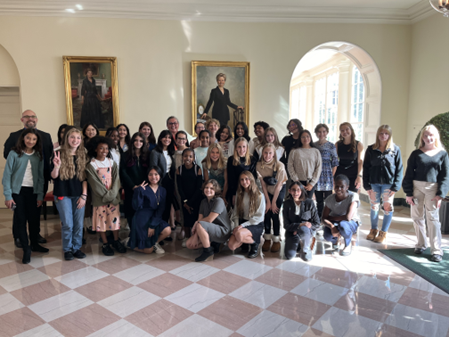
column 276, row 142
column 319, row 126
column 255, row 197
column 216, row 186
column 353, row 147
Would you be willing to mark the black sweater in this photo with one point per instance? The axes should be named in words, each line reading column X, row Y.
column 422, row 167
column 235, row 171
column 308, row 213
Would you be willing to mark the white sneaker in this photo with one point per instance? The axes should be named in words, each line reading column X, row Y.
column 158, row 249
column 347, row 250
column 184, row 243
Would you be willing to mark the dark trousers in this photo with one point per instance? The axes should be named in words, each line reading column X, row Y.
column 169, row 186
column 270, row 216
column 309, row 193
column 292, row 241
column 26, row 211
column 346, row 229
column 320, row 197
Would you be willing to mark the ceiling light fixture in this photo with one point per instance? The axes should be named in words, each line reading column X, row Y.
column 70, row 10
column 79, row 7
column 441, row 6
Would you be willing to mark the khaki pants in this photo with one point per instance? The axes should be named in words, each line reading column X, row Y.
column 425, row 192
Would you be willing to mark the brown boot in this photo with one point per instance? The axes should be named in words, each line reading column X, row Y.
column 372, row 234
column 276, row 244
column 266, row 246
column 381, row 238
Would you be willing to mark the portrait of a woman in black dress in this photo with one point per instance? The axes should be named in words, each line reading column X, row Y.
column 221, row 99
column 91, row 101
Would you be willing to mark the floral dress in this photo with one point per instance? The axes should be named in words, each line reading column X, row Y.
column 329, row 159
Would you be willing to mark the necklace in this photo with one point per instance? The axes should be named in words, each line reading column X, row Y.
column 157, row 194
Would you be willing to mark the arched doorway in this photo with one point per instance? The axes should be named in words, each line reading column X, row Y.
column 337, row 82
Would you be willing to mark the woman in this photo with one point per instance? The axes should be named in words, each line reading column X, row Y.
column 198, row 128
column 213, row 125
column 329, row 164
column 213, row 226
column 241, row 130
column 241, row 161
column 382, row 178
column 221, row 99
column 272, row 176
column 146, row 129
column 304, row 163
column 349, row 152
column 270, row 137
column 425, row 184
column 91, row 111
column 125, row 137
column 340, row 215
column 113, row 134
column 90, row 131
column 301, row 221
column 294, row 128
column 182, row 143
column 61, row 131
column 248, row 214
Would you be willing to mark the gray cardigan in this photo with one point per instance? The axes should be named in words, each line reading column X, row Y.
column 158, row 159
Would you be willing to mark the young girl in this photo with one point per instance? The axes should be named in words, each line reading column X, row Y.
column 304, row 163
column 301, row 221
column 248, row 214
column 426, row 182
column 149, row 203
column 61, row 131
column 214, row 166
column 241, row 130
column 224, row 136
column 213, row 125
column 70, row 191
column 198, row 128
column 272, row 176
column 112, row 133
column 189, row 180
column 103, row 178
column 146, row 129
column 349, row 152
column 90, row 131
column 23, row 188
column 294, row 127
column 201, row 151
column 133, row 171
column 239, row 162
column 270, row 137
column 213, row 226
column 123, row 132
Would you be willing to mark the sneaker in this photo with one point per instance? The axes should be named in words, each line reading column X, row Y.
column 158, row 249
column 436, row 258
column 181, row 235
column 107, row 250
column 184, row 243
column 347, row 250
column 419, row 250
column 79, row 254
column 119, row 247
column 68, row 256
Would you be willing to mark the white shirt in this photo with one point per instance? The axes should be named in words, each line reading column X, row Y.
column 28, row 176
column 167, row 159
column 101, row 164
column 116, row 156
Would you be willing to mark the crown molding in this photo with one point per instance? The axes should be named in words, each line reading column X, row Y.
column 223, row 12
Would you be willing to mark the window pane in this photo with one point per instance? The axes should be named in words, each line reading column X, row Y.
column 360, row 114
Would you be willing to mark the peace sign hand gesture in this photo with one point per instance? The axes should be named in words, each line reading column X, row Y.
column 143, row 185
column 57, row 159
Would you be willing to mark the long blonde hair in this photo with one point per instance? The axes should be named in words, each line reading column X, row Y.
column 275, row 159
column 221, row 160
column 255, row 197
column 353, row 147
column 432, row 128
column 390, row 144
column 236, row 157
column 276, row 142
column 67, row 170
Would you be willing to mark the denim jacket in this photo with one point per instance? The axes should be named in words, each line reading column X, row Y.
column 383, row 168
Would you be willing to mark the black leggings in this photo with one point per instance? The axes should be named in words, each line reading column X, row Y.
column 26, row 211
column 320, row 197
column 169, row 186
column 275, row 217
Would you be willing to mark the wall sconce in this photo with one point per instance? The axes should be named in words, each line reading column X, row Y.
column 441, row 6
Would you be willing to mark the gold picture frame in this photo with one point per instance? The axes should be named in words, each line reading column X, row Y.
column 100, row 104
column 204, row 89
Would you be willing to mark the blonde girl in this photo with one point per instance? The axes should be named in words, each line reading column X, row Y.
column 214, row 166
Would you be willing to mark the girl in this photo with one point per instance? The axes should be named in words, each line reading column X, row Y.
column 133, row 171
column 248, row 214
column 90, row 131
column 214, row 166
column 294, row 127
column 23, row 188
column 241, row 130
column 70, row 191
column 349, row 153
column 149, row 203
column 241, row 161
column 198, row 128
column 123, row 132
column 270, row 137
column 224, row 136
column 329, row 163
column 340, row 215
column 272, row 176
column 201, row 151
column 189, row 180
column 146, row 129
column 304, row 163
column 61, row 131
column 213, row 226
column 213, row 125
column 382, row 178
column 426, row 182
column 103, row 178
column 301, row 221
column 112, row 133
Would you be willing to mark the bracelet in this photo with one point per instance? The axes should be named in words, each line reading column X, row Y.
column 84, row 194
column 82, row 198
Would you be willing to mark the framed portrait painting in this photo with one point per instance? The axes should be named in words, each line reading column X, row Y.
column 220, row 90
column 91, row 91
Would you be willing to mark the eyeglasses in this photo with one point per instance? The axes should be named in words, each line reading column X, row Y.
column 29, row 117
column 174, row 123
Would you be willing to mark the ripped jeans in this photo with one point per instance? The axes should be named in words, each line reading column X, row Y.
column 378, row 192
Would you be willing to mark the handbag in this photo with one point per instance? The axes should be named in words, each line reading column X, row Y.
column 271, row 180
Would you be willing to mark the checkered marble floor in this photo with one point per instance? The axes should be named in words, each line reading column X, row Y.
column 132, row 294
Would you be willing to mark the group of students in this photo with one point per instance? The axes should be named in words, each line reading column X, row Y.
column 222, row 189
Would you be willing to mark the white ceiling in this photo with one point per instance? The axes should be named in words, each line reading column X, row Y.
column 352, row 11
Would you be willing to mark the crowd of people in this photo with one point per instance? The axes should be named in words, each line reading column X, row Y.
column 221, row 188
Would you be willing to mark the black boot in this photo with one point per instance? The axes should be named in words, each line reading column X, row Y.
column 216, row 247
column 26, row 255
column 253, row 250
column 244, row 247
column 17, row 243
column 207, row 252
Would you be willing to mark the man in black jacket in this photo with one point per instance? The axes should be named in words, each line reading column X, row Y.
column 29, row 120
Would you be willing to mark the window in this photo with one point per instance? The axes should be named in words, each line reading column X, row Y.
column 326, row 103
column 299, row 103
column 358, row 103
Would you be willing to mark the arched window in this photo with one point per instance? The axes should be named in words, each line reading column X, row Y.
column 357, row 103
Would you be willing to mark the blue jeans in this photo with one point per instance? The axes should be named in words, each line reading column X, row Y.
column 381, row 191
column 72, row 220
column 346, row 229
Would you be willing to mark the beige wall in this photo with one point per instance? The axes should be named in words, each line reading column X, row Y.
column 9, row 76
column 154, row 62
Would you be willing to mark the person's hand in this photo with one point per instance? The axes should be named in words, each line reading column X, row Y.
column 267, row 206
column 150, row 232
column 240, row 107
column 80, row 203
column 438, row 199
column 307, row 224
column 203, row 116
column 308, row 187
column 39, row 203
column 188, row 208
column 57, row 159
column 9, row 203
column 391, row 193
column 358, row 182
column 409, row 200
column 335, row 232
column 329, row 224
column 236, row 229
column 274, row 208
column 295, row 232
column 143, row 185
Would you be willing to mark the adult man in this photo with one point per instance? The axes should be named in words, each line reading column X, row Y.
column 259, row 130
column 29, row 120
